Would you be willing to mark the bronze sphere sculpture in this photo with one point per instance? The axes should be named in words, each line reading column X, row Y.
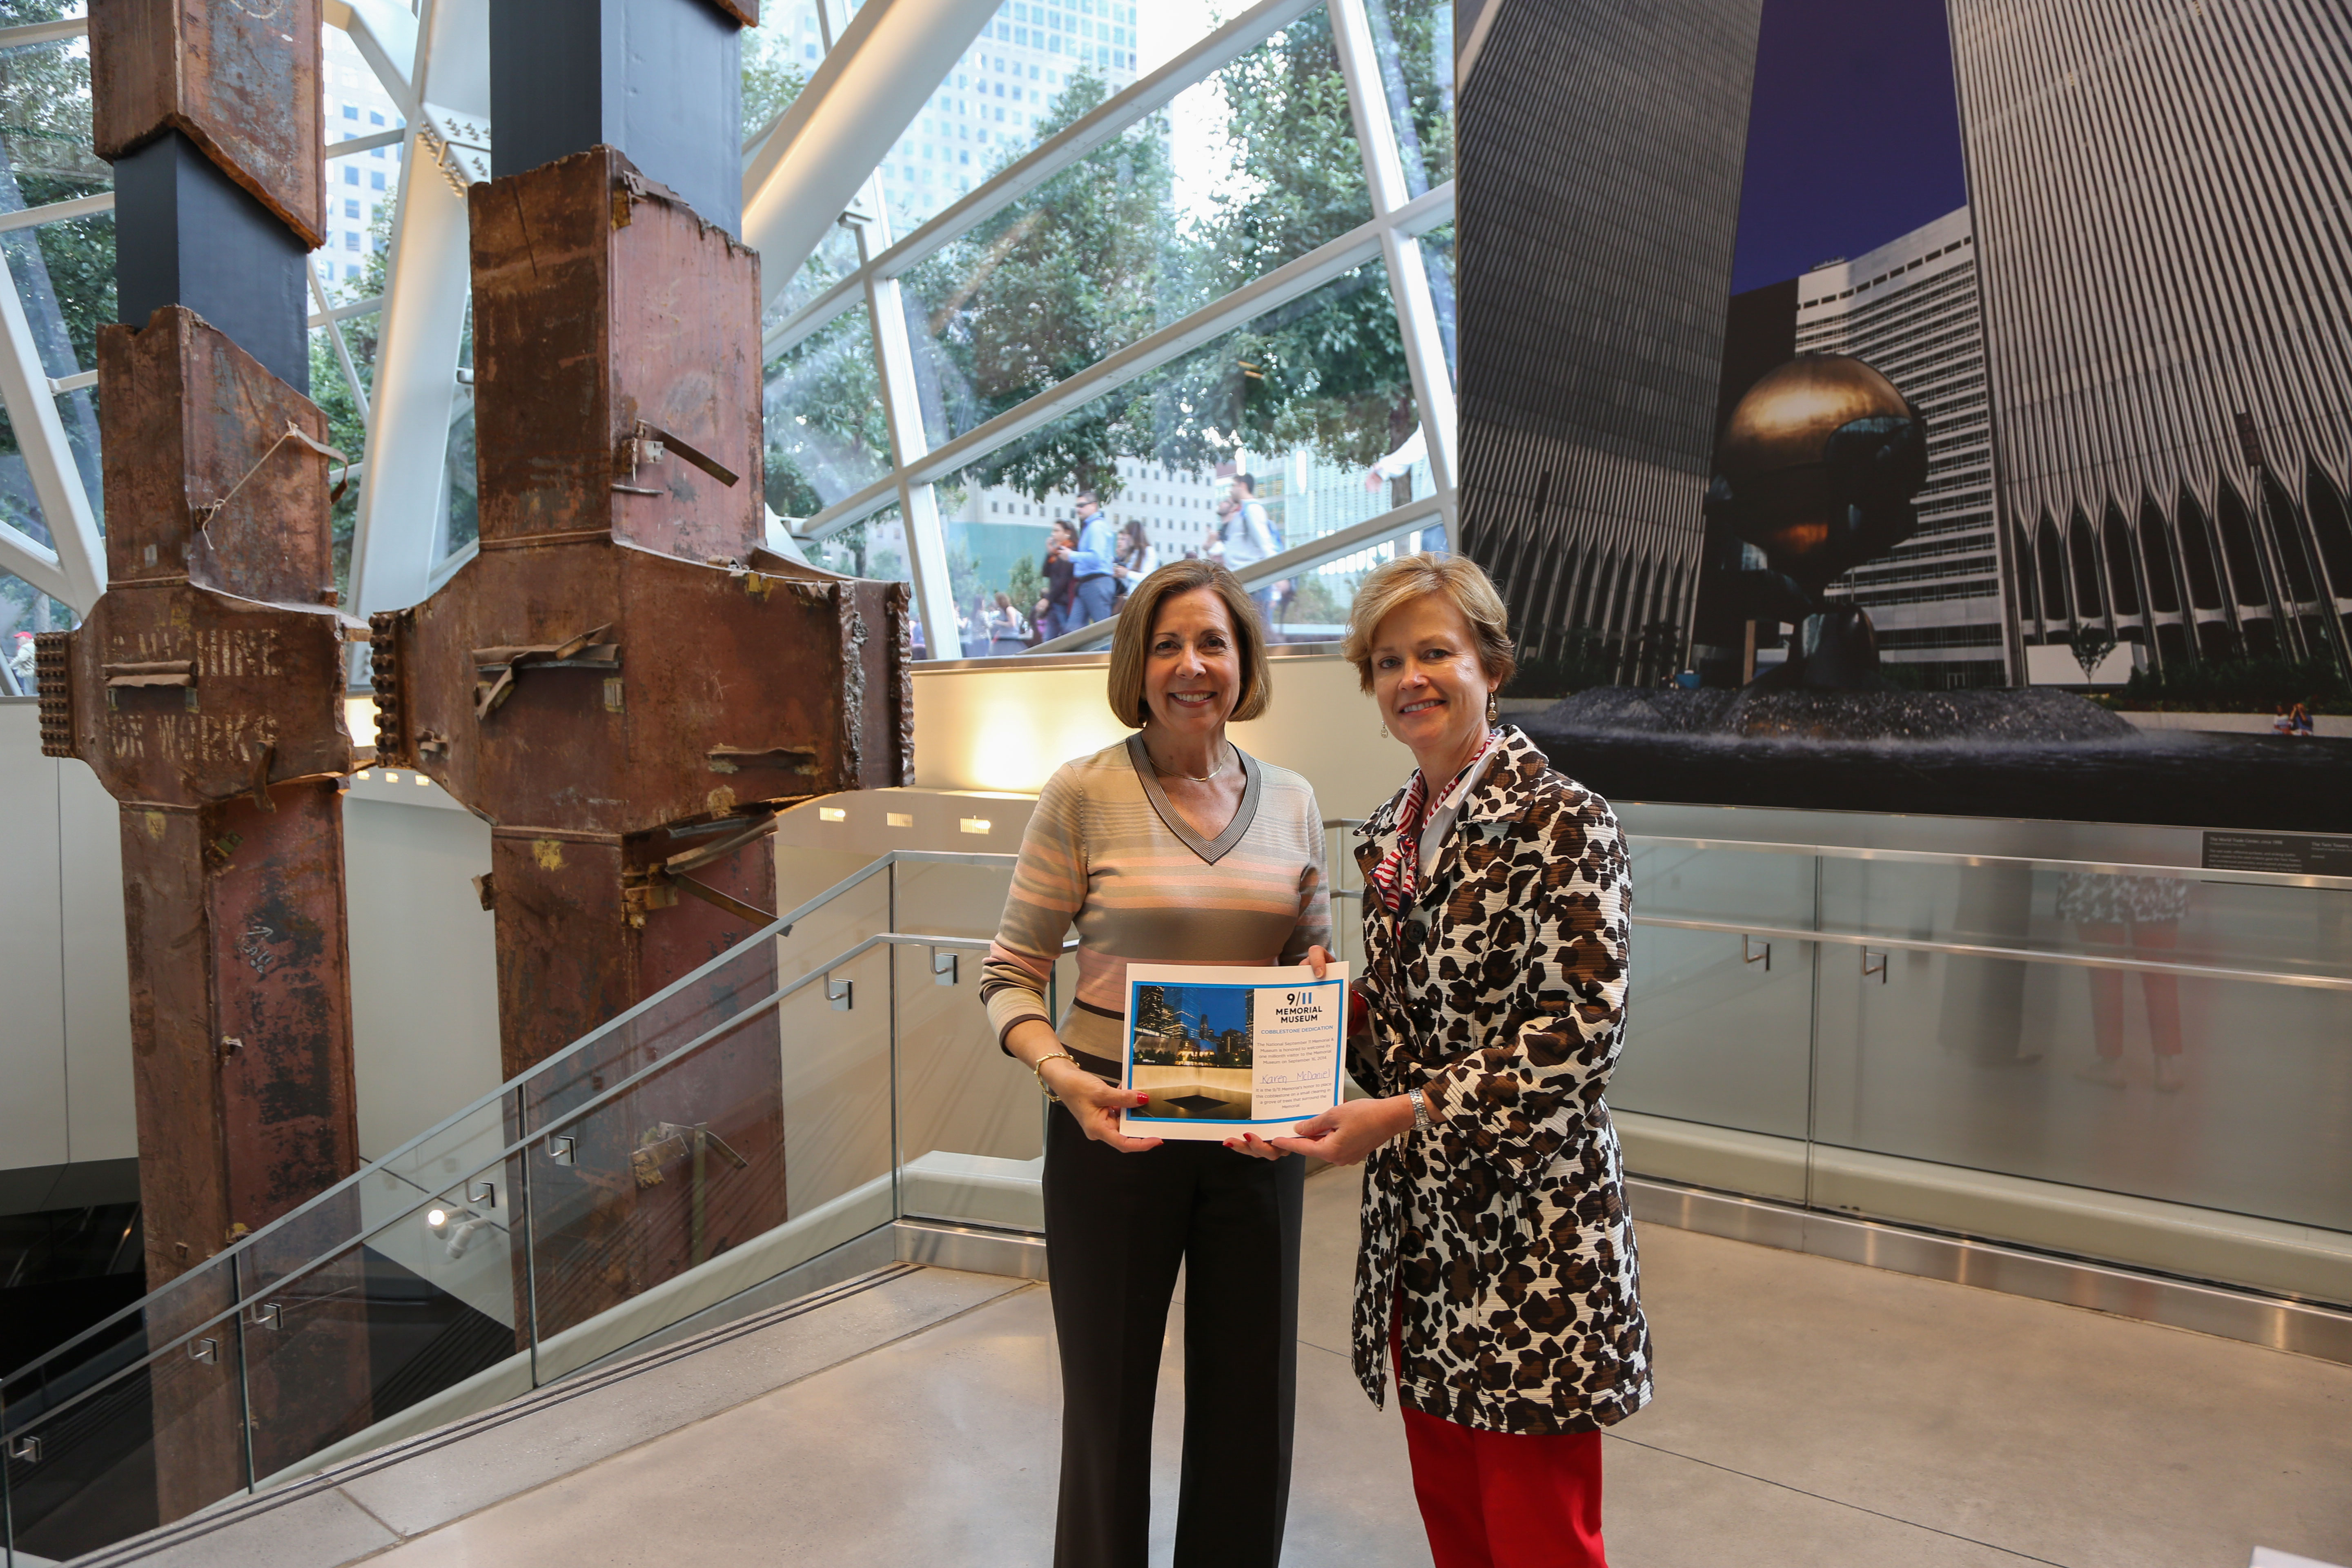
column 1814, row 474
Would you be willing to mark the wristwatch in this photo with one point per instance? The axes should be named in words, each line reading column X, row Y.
column 1420, row 1109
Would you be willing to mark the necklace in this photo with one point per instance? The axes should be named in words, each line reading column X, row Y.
column 1190, row 778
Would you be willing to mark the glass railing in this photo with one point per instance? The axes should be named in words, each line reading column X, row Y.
column 2155, row 1031
column 2152, row 1031
column 828, row 1075
column 2149, row 1030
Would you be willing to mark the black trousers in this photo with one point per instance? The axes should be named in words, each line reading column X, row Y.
column 1117, row 1225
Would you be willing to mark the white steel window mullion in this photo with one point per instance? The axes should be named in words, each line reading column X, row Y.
column 77, row 573
column 902, row 411
column 55, row 212
column 427, row 279
column 1424, row 346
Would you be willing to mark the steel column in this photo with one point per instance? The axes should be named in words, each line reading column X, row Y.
column 204, row 688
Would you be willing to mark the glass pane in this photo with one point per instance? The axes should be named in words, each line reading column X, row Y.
column 659, row 1177
column 461, row 520
column 1414, row 42
column 2227, row 1095
column 835, row 256
column 306, row 1344
column 390, row 1335
column 361, row 186
column 1301, row 402
column 1719, row 1029
column 656, row 1183
column 92, row 1412
column 126, row 1443
column 874, row 548
column 970, row 1123
column 826, row 436
column 778, row 54
column 836, row 1064
column 1242, row 174
column 2186, row 917
column 45, row 108
column 1038, row 65
column 65, row 276
column 1437, row 259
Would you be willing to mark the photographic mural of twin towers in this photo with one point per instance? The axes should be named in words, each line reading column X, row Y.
column 2128, row 342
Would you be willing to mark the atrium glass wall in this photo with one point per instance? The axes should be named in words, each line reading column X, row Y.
column 1136, row 253
column 1170, row 273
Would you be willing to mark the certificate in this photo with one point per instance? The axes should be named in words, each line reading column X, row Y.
column 1225, row 1051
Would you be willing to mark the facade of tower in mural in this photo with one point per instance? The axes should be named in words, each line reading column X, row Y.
column 2123, row 485
column 2136, row 466
column 1910, row 309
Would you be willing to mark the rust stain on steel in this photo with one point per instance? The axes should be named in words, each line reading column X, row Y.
column 240, row 81
column 205, row 485
column 624, row 677
column 206, row 691
column 603, row 301
column 232, row 834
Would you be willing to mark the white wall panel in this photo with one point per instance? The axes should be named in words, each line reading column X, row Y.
column 982, row 726
column 94, row 970
column 33, row 1117
column 424, row 1018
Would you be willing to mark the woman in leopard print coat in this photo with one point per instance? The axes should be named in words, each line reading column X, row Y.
column 1497, row 1269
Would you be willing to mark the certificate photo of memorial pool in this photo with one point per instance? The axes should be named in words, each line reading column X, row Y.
column 1222, row 1051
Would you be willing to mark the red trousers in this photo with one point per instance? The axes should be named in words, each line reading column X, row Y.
column 1502, row 1499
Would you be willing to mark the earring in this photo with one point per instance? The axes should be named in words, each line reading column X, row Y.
column 1493, row 708
column 1384, row 732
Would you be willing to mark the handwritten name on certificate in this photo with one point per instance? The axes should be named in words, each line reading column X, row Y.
column 1222, row 1051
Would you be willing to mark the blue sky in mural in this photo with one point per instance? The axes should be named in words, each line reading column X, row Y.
column 1853, row 137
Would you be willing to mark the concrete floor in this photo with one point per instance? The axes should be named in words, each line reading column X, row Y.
column 1811, row 1413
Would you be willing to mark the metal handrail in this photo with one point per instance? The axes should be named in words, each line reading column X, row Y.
column 781, row 927
column 1925, row 944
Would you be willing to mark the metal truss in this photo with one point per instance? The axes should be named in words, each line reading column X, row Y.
column 802, row 173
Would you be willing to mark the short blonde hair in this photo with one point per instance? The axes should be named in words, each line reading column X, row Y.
column 1464, row 585
column 1129, row 643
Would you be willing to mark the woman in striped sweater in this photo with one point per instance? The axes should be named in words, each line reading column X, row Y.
column 1173, row 847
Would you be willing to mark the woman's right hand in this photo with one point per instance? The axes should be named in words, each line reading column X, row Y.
column 1097, row 1104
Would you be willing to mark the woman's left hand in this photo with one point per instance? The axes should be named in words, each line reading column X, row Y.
column 1349, row 1131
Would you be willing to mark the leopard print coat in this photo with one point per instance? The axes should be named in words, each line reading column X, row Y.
column 1502, row 1232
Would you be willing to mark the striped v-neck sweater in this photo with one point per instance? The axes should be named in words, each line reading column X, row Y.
column 1107, row 853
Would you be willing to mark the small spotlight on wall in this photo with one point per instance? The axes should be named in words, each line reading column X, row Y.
column 363, row 774
column 899, row 818
column 823, row 812
column 390, row 776
column 973, row 823
column 437, row 1218
column 423, row 780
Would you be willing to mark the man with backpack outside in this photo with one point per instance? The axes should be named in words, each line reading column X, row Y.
column 1244, row 537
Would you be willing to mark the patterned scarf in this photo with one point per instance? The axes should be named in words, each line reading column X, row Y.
column 1398, row 871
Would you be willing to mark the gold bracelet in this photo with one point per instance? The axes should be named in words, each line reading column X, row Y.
column 1037, row 1071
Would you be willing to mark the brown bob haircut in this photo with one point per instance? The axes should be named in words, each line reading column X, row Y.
column 1460, row 582
column 1130, row 643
